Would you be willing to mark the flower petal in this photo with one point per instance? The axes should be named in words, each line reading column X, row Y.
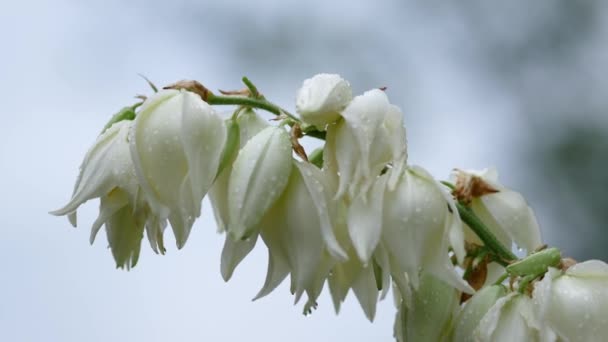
column 234, row 252
column 513, row 215
column 365, row 220
column 365, row 289
column 107, row 165
column 320, row 189
column 259, row 176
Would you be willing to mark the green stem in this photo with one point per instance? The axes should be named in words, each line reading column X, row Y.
column 252, row 88
column 489, row 240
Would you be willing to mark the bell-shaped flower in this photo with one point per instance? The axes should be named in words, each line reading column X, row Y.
column 511, row 318
column 249, row 124
column 369, row 138
column 474, row 310
column 299, row 234
column 107, row 172
column 321, row 99
column 176, row 144
column 504, row 211
column 573, row 305
column 416, row 222
column 426, row 314
column 258, row 177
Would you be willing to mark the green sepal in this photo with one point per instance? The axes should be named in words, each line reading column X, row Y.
column 316, row 157
column 536, row 264
column 127, row 113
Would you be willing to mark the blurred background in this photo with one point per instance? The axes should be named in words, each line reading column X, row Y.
column 520, row 85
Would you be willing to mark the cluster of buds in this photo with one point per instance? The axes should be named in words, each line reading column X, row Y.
column 355, row 215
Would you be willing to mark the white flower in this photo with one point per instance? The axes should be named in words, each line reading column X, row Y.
column 234, row 251
column 511, row 318
column 412, row 222
column 370, row 137
column 107, row 172
column 298, row 232
column 176, row 144
column 574, row 304
column 321, row 99
column 426, row 314
column 259, row 176
column 474, row 310
column 504, row 211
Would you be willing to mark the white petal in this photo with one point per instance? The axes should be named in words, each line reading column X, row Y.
column 218, row 196
column 250, row 124
column 474, row 310
column 508, row 320
column 364, row 115
column 428, row 316
column 346, row 153
column 589, row 269
column 365, row 220
column 341, row 279
column 301, row 233
column 259, row 176
column 155, row 229
column 321, row 189
column 366, row 291
column 513, row 215
column 203, row 135
column 381, row 258
column 160, row 114
column 575, row 305
column 278, row 264
column 107, row 165
column 233, row 253
column 415, row 230
column 108, row 206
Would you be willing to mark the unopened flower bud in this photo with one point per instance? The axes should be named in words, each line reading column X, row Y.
column 321, row 99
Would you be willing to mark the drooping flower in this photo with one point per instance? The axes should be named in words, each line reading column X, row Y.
column 370, row 137
column 573, row 304
column 258, row 177
column 107, row 172
column 321, row 99
column 176, row 145
column 416, row 222
column 504, row 211
column 235, row 250
column 299, row 233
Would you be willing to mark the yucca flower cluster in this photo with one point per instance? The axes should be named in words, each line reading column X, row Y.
column 353, row 215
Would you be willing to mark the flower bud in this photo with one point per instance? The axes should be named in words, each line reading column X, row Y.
column 259, row 176
column 177, row 143
column 321, row 99
column 574, row 304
